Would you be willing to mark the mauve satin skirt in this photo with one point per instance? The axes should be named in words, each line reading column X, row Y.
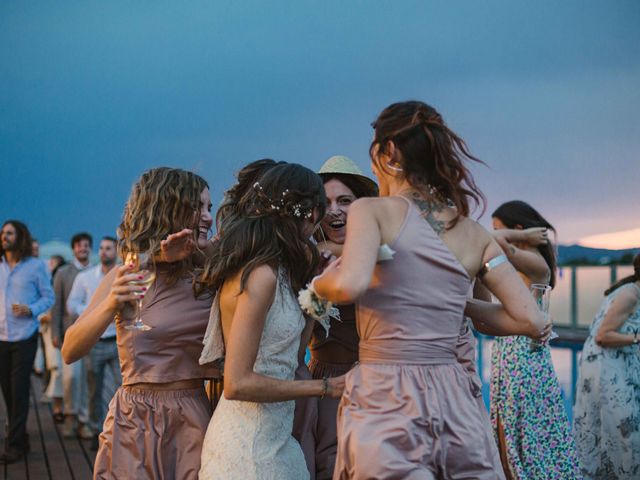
column 413, row 422
column 153, row 434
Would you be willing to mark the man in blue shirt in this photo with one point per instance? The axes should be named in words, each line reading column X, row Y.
column 25, row 293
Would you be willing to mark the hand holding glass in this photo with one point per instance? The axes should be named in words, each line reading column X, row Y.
column 541, row 294
column 142, row 264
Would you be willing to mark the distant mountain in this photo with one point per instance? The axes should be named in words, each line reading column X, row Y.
column 580, row 254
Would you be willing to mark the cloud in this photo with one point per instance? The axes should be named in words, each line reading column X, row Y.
column 615, row 241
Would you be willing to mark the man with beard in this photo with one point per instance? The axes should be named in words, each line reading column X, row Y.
column 25, row 293
column 104, row 355
column 74, row 376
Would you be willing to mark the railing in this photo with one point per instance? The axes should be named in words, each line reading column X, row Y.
column 575, row 301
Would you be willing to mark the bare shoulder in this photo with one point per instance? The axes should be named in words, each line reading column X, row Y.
column 263, row 276
column 260, row 285
column 473, row 231
column 628, row 297
column 377, row 206
column 365, row 203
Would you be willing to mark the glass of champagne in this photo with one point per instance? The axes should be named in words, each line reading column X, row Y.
column 541, row 294
column 144, row 266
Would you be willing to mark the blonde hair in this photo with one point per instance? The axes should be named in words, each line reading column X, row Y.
column 163, row 201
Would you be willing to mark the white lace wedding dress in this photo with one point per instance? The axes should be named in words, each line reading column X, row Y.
column 248, row 440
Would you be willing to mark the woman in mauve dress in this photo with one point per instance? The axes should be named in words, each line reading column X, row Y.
column 157, row 419
column 408, row 410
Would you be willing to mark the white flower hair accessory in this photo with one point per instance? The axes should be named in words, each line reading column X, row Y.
column 280, row 205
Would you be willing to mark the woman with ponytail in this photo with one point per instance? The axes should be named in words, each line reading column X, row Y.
column 408, row 409
column 606, row 415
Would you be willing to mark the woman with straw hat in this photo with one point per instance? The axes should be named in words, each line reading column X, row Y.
column 335, row 352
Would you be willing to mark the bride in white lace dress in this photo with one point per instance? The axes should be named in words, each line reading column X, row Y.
column 263, row 256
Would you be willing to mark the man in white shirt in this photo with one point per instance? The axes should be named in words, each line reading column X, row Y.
column 105, row 353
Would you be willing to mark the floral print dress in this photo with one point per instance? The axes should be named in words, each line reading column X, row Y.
column 607, row 410
column 526, row 400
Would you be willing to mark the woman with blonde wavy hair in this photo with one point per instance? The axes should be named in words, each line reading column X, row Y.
column 157, row 419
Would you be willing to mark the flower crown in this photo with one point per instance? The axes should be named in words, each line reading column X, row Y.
column 281, row 206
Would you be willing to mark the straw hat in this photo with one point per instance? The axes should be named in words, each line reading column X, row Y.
column 345, row 166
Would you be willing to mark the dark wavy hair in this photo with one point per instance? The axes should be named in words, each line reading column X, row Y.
column 431, row 154
column 246, row 177
column 629, row 279
column 23, row 239
column 163, row 201
column 269, row 228
column 518, row 213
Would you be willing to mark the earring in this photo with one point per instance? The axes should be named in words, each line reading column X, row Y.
column 393, row 167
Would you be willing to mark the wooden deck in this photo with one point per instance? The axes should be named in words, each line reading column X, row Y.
column 52, row 456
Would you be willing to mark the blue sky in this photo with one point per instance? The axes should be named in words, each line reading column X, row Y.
column 93, row 93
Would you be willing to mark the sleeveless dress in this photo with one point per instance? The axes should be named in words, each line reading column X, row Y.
column 607, row 410
column 158, row 434
column 409, row 409
column 526, row 400
column 250, row 440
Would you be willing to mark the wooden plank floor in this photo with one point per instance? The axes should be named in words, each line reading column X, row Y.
column 52, row 457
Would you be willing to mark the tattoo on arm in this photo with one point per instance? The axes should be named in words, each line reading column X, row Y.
column 427, row 209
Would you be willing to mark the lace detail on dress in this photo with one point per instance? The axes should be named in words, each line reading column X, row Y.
column 213, row 340
column 249, row 440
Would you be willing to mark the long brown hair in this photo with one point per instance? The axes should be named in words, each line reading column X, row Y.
column 518, row 213
column 629, row 279
column 163, row 201
column 431, row 154
column 269, row 228
column 23, row 239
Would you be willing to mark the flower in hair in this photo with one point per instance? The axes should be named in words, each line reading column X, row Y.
column 280, row 205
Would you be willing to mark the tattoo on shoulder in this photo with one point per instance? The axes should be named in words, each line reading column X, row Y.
column 427, row 209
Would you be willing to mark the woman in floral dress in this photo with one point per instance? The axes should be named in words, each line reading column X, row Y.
column 527, row 408
column 607, row 410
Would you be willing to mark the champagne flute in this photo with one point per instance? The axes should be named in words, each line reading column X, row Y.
column 142, row 264
column 542, row 294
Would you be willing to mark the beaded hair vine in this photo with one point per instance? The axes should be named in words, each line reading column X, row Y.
column 280, row 205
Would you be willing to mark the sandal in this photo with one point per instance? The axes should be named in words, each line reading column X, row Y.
column 58, row 417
